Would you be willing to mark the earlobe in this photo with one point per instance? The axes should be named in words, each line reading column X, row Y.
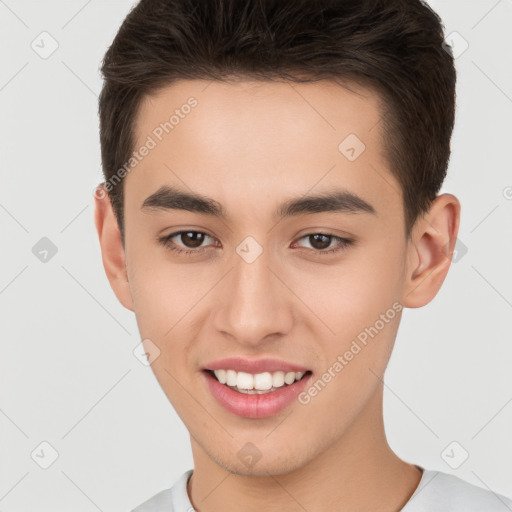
column 430, row 251
column 112, row 251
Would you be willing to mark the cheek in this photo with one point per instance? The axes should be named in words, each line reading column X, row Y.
column 159, row 304
column 357, row 317
column 158, row 297
column 169, row 304
column 345, row 298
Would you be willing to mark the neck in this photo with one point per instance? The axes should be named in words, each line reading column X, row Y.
column 357, row 472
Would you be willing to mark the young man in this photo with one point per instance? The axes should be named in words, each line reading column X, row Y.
column 269, row 208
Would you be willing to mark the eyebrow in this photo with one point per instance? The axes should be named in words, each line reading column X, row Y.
column 340, row 201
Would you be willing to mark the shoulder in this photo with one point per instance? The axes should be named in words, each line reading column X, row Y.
column 173, row 499
column 441, row 492
column 158, row 502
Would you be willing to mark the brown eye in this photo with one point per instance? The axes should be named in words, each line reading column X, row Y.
column 191, row 240
column 320, row 242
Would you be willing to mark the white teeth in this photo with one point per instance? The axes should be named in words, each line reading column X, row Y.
column 230, row 377
column 244, row 380
column 278, row 379
column 265, row 381
column 262, row 381
column 289, row 378
column 221, row 376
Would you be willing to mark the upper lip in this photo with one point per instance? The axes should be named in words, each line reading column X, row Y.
column 240, row 364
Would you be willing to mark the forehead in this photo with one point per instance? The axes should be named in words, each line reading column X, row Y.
column 262, row 140
column 259, row 110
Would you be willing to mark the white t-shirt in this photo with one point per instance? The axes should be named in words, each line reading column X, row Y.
column 436, row 492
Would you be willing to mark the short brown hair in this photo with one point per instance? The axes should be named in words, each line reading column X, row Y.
column 393, row 46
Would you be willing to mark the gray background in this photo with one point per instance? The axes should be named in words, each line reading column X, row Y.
column 68, row 373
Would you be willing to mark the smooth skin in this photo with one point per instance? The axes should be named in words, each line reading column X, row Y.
column 251, row 146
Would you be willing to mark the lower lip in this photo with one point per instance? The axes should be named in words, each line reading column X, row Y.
column 255, row 406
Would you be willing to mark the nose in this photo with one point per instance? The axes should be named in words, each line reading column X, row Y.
column 254, row 304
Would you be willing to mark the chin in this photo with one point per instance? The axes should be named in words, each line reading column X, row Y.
column 269, row 464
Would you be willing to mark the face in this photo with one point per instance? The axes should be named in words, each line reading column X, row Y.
column 305, row 285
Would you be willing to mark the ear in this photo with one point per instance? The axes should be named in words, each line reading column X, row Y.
column 430, row 251
column 112, row 250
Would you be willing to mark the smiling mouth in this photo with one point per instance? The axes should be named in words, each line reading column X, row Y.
column 257, row 384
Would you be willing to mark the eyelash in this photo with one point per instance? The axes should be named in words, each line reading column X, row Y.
column 343, row 243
